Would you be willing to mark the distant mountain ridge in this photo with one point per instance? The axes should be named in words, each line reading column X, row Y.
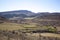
column 26, row 13
column 20, row 13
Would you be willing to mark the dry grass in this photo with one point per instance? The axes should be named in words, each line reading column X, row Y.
column 44, row 34
column 10, row 26
column 50, row 35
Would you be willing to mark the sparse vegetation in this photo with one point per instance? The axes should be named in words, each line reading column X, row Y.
column 30, row 27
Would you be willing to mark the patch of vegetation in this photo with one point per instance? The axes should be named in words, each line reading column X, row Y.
column 26, row 27
column 52, row 29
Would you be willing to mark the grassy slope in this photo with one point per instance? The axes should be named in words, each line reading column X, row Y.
column 10, row 26
column 14, row 26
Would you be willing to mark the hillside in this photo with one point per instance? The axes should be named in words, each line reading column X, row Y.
column 27, row 25
column 28, row 17
column 26, row 13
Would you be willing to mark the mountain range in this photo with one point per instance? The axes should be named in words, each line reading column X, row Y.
column 26, row 13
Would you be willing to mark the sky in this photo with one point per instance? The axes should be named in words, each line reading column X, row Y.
column 31, row 5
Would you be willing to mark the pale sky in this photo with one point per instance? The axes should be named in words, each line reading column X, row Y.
column 31, row 5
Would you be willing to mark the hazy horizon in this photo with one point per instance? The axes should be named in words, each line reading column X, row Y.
column 30, row 5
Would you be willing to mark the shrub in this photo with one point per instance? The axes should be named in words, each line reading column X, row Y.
column 52, row 29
